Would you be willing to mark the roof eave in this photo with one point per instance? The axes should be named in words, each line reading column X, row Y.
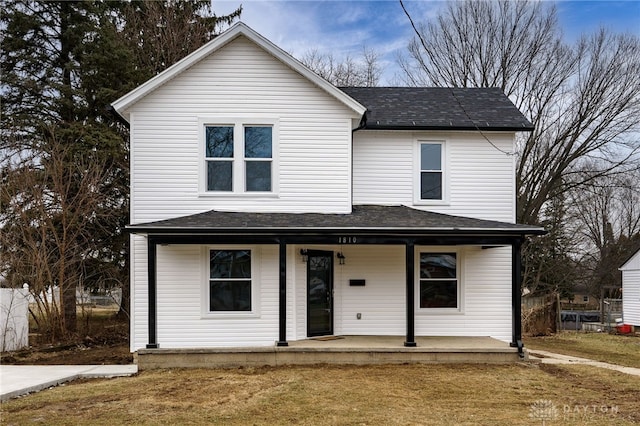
column 142, row 229
column 449, row 128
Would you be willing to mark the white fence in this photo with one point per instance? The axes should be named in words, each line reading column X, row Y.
column 14, row 319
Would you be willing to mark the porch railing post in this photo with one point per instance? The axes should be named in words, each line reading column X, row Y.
column 151, row 284
column 282, row 334
column 516, row 295
column 410, row 263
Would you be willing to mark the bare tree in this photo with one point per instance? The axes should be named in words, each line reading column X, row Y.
column 362, row 72
column 51, row 206
column 62, row 64
column 583, row 99
column 606, row 215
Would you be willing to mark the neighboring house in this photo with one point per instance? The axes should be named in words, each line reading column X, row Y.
column 580, row 299
column 631, row 290
column 269, row 206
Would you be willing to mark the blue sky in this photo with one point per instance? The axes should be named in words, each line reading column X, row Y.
column 342, row 27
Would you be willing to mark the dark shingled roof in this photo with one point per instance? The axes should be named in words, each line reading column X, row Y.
column 362, row 218
column 438, row 108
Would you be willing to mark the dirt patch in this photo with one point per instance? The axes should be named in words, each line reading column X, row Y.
column 102, row 339
column 71, row 355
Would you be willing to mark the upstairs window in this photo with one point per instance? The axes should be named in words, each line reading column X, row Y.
column 219, row 157
column 239, row 158
column 431, row 171
column 258, row 158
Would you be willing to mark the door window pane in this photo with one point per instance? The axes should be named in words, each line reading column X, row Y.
column 319, row 294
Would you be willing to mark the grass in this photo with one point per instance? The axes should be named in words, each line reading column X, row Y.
column 612, row 348
column 349, row 395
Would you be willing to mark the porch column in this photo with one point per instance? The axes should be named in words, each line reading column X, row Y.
column 516, row 295
column 151, row 278
column 282, row 334
column 410, row 263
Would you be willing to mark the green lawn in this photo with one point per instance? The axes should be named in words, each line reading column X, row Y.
column 616, row 349
column 519, row 394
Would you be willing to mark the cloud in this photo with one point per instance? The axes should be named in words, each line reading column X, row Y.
column 337, row 27
column 344, row 27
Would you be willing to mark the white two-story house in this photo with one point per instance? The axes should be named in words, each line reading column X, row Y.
column 268, row 206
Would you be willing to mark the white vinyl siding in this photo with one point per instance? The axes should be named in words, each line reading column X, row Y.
column 381, row 302
column 485, row 294
column 631, row 291
column 181, row 324
column 240, row 80
column 631, row 297
column 486, row 298
column 139, row 320
column 479, row 180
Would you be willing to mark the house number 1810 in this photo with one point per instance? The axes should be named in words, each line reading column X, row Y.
column 346, row 240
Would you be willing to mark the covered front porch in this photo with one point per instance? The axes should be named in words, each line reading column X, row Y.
column 356, row 350
column 370, row 236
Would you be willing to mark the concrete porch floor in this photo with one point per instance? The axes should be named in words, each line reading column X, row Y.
column 396, row 343
column 360, row 350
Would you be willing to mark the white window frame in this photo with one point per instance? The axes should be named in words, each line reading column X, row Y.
column 255, row 283
column 238, row 160
column 417, row 173
column 459, row 252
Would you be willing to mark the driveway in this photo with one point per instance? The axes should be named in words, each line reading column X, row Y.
column 16, row 380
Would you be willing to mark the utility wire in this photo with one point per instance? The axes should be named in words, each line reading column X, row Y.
column 424, row 46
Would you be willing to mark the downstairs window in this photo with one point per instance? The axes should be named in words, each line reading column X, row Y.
column 230, row 280
column 439, row 286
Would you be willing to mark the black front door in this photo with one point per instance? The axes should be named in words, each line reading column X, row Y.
column 319, row 293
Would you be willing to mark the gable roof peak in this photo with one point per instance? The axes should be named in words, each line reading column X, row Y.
column 122, row 105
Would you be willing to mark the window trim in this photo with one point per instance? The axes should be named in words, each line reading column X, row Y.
column 238, row 161
column 417, row 172
column 459, row 275
column 255, row 283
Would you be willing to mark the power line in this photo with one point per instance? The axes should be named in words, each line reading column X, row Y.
column 424, row 46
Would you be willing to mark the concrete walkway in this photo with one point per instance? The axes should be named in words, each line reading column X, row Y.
column 553, row 358
column 16, row 380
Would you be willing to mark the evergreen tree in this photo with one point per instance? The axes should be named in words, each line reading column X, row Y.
column 64, row 157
